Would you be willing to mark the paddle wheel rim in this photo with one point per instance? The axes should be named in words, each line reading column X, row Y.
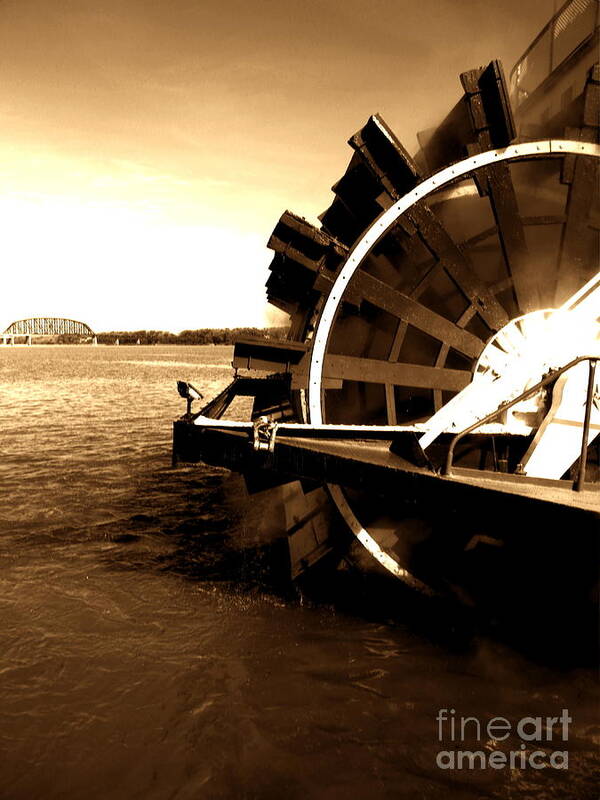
column 382, row 225
column 386, row 220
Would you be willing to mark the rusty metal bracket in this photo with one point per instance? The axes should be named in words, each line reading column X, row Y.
column 264, row 432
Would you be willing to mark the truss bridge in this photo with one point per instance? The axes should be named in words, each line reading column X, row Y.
column 46, row 326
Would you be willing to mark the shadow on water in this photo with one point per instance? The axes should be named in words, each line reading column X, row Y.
column 564, row 643
column 202, row 522
column 209, row 524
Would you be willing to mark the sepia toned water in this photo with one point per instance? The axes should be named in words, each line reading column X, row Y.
column 148, row 651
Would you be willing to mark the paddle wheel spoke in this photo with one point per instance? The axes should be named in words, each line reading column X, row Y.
column 371, row 370
column 503, row 201
column 456, row 263
column 408, row 310
column 579, row 243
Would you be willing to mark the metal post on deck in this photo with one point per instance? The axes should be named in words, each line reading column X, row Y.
column 586, row 426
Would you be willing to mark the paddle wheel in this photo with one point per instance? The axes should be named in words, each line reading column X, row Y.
column 438, row 390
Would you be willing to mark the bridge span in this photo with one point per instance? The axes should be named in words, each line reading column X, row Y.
column 46, row 326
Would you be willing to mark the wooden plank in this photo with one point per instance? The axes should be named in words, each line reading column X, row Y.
column 417, row 315
column 390, row 404
column 294, row 254
column 292, row 228
column 390, row 394
column 339, row 222
column 385, row 157
column 457, row 265
column 437, row 393
column 548, row 219
column 370, row 370
column 574, row 269
column 486, row 92
column 267, row 354
column 503, row 200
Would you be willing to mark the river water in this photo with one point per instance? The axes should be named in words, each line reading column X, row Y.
column 146, row 651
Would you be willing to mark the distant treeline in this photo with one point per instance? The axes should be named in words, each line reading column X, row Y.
column 199, row 336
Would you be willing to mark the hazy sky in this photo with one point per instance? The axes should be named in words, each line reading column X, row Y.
column 147, row 148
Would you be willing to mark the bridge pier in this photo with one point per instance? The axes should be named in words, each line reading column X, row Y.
column 9, row 338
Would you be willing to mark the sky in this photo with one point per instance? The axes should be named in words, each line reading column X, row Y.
column 148, row 147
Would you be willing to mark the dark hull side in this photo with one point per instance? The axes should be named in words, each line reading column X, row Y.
column 524, row 565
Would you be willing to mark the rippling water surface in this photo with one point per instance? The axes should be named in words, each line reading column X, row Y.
column 146, row 651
